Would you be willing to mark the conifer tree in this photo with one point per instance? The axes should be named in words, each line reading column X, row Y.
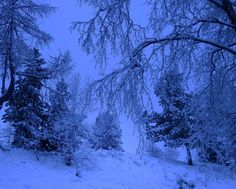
column 173, row 125
column 106, row 133
column 66, row 125
column 68, row 134
column 59, row 99
column 27, row 111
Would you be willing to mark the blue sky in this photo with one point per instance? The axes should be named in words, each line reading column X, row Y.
column 58, row 25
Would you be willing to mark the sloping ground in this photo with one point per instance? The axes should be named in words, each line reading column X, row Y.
column 110, row 170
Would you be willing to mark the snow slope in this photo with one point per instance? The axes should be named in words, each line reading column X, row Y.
column 20, row 169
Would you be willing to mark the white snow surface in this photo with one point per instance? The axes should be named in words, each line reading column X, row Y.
column 19, row 169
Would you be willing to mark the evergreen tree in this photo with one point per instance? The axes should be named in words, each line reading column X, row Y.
column 106, row 133
column 59, row 99
column 67, row 128
column 27, row 112
column 173, row 126
column 68, row 132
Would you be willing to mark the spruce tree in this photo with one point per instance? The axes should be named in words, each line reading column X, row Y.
column 59, row 99
column 27, row 111
column 68, row 134
column 106, row 133
column 66, row 124
column 173, row 125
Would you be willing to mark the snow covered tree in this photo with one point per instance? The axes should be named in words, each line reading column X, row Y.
column 68, row 133
column 174, row 125
column 106, row 132
column 67, row 125
column 19, row 28
column 27, row 111
column 198, row 36
column 215, row 136
column 195, row 35
column 59, row 98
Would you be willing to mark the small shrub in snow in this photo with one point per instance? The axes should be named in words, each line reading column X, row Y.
column 83, row 156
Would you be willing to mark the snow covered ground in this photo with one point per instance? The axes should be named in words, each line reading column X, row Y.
column 20, row 169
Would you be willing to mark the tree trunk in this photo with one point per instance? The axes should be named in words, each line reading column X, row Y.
column 9, row 92
column 9, row 59
column 4, row 75
column 189, row 155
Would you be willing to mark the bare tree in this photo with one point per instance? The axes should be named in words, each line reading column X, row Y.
column 18, row 26
column 201, row 36
column 196, row 37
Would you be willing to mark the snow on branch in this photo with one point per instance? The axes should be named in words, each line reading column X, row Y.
column 179, row 37
column 111, row 25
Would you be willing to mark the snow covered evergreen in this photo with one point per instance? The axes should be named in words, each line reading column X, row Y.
column 67, row 128
column 27, row 111
column 186, row 45
column 106, row 132
column 59, row 98
column 68, row 132
column 174, row 125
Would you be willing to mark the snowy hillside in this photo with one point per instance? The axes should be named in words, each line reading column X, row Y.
column 110, row 170
column 118, row 94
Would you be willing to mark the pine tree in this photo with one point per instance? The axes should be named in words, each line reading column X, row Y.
column 173, row 126
column 27, row 112
column 106, row 133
